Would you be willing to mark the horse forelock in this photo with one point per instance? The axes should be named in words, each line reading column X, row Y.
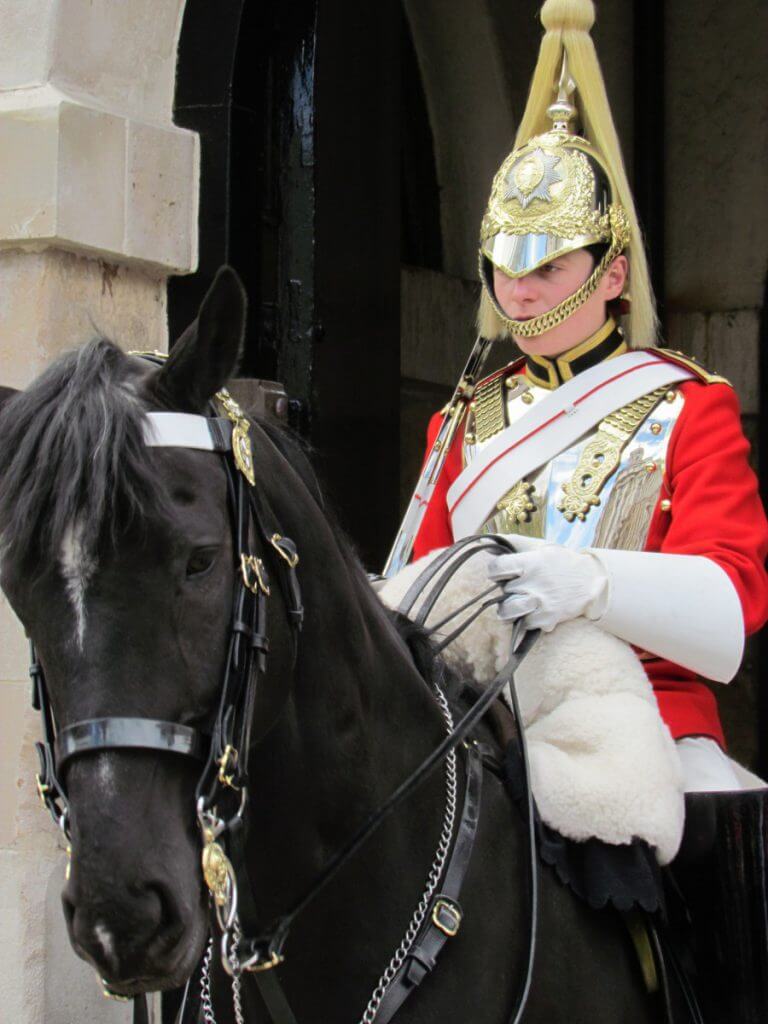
column 74, row 468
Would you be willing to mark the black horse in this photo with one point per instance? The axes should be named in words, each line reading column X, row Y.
column 118, row 559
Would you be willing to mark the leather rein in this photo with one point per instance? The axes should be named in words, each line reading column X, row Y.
column 224, row 753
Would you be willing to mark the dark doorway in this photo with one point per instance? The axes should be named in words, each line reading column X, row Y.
column 297, row 106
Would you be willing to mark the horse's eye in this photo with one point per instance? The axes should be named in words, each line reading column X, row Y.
column 200, row 562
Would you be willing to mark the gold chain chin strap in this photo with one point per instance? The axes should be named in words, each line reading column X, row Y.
column 539, row 324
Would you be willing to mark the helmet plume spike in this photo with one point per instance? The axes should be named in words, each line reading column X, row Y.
column 563, row 111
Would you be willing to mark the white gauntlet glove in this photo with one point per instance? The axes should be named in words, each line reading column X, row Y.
column 550, row 585
column 683, row 608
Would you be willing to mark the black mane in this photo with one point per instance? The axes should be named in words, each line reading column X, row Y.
column 72, row 450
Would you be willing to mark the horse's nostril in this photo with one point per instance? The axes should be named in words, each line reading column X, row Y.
column 159, row 897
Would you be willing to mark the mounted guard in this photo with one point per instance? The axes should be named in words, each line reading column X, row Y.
column 620, row 472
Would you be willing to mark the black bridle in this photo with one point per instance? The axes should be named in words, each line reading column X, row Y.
column 224, row 752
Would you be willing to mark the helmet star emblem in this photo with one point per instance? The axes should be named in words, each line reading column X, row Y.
column 532, row 177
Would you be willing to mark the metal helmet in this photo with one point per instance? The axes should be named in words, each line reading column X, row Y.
column 551, row 196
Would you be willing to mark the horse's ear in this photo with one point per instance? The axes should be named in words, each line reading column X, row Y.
column 208, row 352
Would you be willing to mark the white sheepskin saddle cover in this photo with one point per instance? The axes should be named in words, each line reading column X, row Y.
column 602, row 761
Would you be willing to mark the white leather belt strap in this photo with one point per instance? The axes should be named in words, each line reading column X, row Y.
column 551, row 427
column 185, row 430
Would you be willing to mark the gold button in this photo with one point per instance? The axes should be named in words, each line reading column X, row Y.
column 510, row 382
column 651, row 467
column 666, row 505
column 469, row 438
column 527, row 397
column 671, row 396
column 655, row 428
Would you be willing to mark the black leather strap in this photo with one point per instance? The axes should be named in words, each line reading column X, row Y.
column 444, row 918
column 220, row 430
column 120, row 733
column 274, row 998
column 140, row 1010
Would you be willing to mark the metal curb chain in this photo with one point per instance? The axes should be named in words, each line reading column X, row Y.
column 398, row 958
column 433, row 878
column 205, row 986
column 205, row 979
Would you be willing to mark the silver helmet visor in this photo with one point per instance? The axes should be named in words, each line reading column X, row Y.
column 517, row 255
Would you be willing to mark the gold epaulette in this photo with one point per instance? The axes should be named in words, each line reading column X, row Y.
column 690, row 363
column 488, row 402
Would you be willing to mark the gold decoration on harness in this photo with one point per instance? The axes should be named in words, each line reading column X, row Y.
column 264, row 965
column 241, row 439
column 42, row 789
column 252, row 572
column 291, row 559
column 447, row 917
column 107, row 992
column 217, row 869
column 601, row 456
column 517, row 502
column 228, row 760
column 148, row 352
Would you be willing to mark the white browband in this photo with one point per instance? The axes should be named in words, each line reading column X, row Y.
column 179, row 430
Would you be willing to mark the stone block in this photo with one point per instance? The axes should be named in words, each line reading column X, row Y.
column 716, row 126
column 27, row 29
column 123, row 53
column 91, row 178
column 14, row 700
column 724, row 343
column 51, row 301
column 687, row 332
column 28, row 170
column 86, row 180
column 732, row 344
column 437, row 325
column 160, row 224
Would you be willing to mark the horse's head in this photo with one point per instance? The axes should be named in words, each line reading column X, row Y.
column 118, row 559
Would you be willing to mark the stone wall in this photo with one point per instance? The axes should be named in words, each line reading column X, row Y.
column 98, row 206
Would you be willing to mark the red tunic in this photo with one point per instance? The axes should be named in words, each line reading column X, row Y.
column 715, row 512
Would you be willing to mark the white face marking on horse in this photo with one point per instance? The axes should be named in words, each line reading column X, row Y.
column 77, row 568
column 105, row 774
column 105, row 940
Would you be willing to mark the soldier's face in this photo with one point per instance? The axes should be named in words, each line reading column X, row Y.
column 536, row 293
